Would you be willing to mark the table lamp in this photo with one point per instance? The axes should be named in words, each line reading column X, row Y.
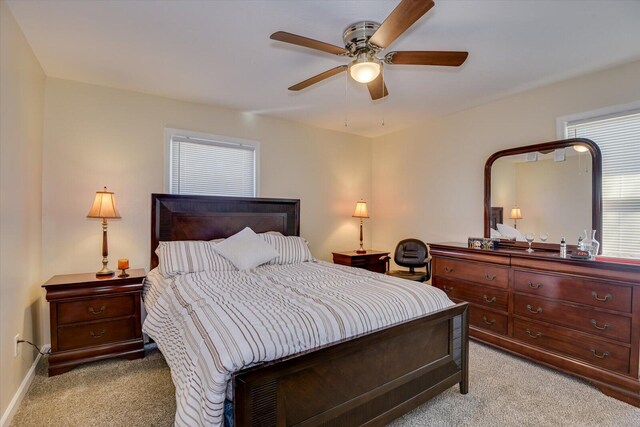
column 104, row 206
column 515, row 215
column 361, row 212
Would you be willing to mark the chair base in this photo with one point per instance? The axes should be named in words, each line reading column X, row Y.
column 417, row 276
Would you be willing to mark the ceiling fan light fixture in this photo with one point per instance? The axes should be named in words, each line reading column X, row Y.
column 580, row 148
column 364, row 69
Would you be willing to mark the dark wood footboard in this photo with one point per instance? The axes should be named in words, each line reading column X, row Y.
column 368, row 380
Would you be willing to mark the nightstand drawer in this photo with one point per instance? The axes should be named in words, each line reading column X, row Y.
column 95, row 309
column 96, row 333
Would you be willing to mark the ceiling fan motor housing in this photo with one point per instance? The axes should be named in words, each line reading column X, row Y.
column 357, row 35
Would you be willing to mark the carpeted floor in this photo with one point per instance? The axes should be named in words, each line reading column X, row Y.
column 504, row 391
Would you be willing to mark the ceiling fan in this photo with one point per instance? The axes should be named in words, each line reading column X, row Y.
column 365, row 40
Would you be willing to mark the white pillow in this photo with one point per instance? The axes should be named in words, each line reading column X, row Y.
column 291, row 249
column 189, row 256
column 507, row 231
column 246, row 250
column 494, row 234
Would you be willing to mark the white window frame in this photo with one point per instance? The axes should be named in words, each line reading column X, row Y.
column 599, row 114
column 169, row 133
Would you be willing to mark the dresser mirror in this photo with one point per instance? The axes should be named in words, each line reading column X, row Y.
column 552, row 190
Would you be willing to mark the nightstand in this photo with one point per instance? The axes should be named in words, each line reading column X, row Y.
column 94, row 318
column 372, row 260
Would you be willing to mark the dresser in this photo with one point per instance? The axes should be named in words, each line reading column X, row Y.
column 94, row 318
column 580, row 317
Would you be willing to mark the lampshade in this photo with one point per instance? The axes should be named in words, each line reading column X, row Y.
column 515, row 214
column 361, row 210
column 104, row 205
column 364, row 69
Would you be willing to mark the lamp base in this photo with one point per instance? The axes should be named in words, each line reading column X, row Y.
column 104, row 272
column 361, row 251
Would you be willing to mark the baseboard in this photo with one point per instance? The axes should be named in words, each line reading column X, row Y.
column 22, row 390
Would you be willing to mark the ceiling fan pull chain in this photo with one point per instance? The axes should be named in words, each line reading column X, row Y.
column 383, row 100
column 346, row 104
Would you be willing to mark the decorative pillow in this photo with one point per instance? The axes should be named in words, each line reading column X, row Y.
column 507, row 231
column 291, row 249
column 189, row 256
column 246, row 250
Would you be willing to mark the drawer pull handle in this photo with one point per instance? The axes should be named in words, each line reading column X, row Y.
column 93, row 310
column 606, row 298
column 534, row 285
column 444, row 287
column 536, row 311
column 448, row 269
column 490, row 301
column 606, row 326
column 536, row 336
column 492, row 277
column 487, row 321
column 605, row 354
column 94, row 335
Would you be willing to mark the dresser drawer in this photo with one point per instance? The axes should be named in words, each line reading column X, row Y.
column 571, row 288
column 576, row 344
column 479, row 272
column 95, row 309
column 487, row 319
column 96, row 333
column 481, row 295
column 577, row 317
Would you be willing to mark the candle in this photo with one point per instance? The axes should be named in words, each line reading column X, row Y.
column 123, row 264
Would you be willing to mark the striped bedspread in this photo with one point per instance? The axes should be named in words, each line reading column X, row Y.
column 209, row 325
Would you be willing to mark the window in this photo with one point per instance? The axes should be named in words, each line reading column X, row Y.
column 618, row 136
column 211, row 165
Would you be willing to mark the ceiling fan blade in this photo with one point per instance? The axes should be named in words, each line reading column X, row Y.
column 283, row 36
column 402, row 17
column 416, row 57
column 377, row 88
column 315, row 79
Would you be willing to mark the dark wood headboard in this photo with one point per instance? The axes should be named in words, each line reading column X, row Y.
column 182, row 217
column 497, row 216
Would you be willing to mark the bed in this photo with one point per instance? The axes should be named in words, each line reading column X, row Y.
column 367, row 379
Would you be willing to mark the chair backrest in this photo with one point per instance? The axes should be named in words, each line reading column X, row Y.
column 411, row 253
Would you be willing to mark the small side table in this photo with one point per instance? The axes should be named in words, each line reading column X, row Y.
column 373, row 260
column 94, row 318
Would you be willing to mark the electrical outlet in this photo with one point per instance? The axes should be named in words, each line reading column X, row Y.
column 16, row 345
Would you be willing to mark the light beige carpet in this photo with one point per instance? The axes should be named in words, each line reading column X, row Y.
column 504, row 391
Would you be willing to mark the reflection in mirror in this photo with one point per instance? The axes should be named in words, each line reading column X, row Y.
column 551, row 189
column 543, row 193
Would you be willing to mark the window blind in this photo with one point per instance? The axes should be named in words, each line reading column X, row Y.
column 207, row 167
column 619, row 140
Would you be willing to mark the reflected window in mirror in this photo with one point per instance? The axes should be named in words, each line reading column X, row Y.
column 618, row 137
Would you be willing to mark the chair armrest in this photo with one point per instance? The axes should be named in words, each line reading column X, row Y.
column 385, row 259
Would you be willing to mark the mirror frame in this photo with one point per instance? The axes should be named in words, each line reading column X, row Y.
column 596, row 180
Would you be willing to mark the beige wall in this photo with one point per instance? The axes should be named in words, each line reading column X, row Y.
column 428, row 180
column 22, row 96
column 96, row 136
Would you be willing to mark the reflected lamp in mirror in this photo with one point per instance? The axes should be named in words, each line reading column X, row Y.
column 515, row 215
column 361, row 212
column 104, row 207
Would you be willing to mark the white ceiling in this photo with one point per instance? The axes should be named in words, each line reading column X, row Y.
column 219, row 52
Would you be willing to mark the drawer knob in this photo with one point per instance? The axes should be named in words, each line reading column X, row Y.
column 599, row 356
column 98, row 335
column 536, row 336
column 489, row 300
column 487, row 321
column 536, row 311
column 489, row 277
column 534, row 285
column 594, row 322
column 444, row 287
column 448, row 269
column 93, row 310
column 606, row 298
